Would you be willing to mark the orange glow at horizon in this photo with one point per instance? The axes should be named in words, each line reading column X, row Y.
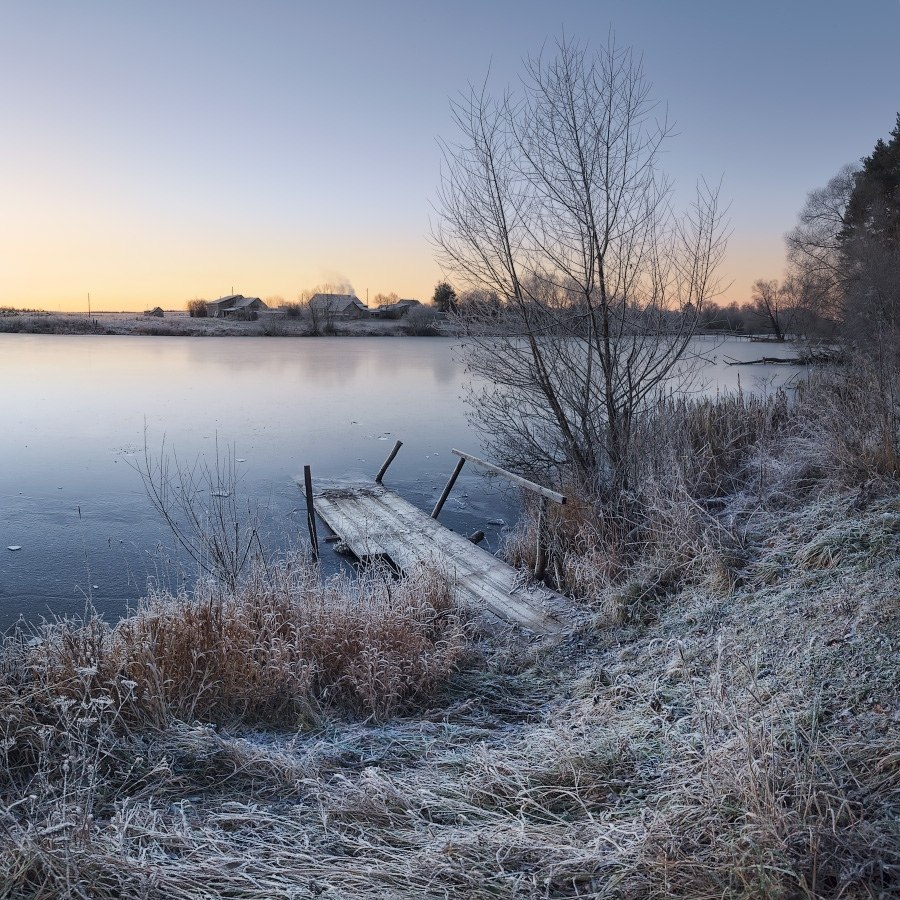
column 125, row 279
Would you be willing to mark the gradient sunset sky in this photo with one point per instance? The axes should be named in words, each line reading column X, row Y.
column 156, row 151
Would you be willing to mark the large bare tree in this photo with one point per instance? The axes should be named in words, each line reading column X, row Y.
column 815, row 247
column 554, row 201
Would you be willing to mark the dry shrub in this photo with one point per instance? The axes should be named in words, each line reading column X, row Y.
column 422, row 321
column 623, row 551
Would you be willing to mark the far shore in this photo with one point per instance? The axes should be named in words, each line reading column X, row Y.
column 177, row 323
column 274, row 323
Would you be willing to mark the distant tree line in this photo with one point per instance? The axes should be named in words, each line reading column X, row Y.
column 844, row 256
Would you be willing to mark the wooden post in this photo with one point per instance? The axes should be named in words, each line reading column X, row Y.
column 540, row 557
column 440, row 504
column 388, row 461
column 311, row 513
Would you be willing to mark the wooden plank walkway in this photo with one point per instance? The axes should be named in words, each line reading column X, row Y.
column 375, row 522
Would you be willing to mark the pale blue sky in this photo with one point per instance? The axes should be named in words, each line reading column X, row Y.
column 159, row 151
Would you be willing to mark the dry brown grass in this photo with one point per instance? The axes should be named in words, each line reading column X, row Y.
column 278, row 649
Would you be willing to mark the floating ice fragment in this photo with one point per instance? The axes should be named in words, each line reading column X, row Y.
column 496, row 522
column 14, row 547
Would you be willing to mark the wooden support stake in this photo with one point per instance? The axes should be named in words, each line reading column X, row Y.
column 311, row 513
column 388, row 461
column 540, row 557
column 440, row 504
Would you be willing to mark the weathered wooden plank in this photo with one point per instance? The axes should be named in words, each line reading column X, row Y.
column 377, row 522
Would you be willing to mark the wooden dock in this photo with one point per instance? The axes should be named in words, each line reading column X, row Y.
column 377, row 523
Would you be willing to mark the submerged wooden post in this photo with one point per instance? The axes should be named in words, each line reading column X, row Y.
column 440, row 504
column 540, row 556
column 388, row 461
column 311, row 513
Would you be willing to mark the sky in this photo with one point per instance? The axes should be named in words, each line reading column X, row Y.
column 152, row 152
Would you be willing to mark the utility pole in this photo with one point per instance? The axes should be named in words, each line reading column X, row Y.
column 89, row 305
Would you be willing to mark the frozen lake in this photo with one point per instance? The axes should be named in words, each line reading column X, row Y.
column 76, row 409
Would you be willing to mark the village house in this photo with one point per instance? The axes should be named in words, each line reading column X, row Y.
column 234, row 306
column 338, row 306
column 397, row 310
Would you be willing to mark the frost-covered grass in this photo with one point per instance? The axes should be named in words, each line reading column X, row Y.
column 743, row 743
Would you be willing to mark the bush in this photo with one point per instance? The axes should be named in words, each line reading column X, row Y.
column 293, row 310
column 197, row 308
column 689, row 456
column 422, row 322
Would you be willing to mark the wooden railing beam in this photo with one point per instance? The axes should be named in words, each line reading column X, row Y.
column 515, row 479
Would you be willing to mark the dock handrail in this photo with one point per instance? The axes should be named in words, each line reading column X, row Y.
column 517, row 479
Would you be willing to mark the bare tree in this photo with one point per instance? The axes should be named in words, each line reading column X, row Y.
column 554, row 201
column 770, row 303
column 815, row 247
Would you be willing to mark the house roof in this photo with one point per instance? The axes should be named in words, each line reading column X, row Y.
column 236, row 301
column 398, row 305
column 244, row 302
